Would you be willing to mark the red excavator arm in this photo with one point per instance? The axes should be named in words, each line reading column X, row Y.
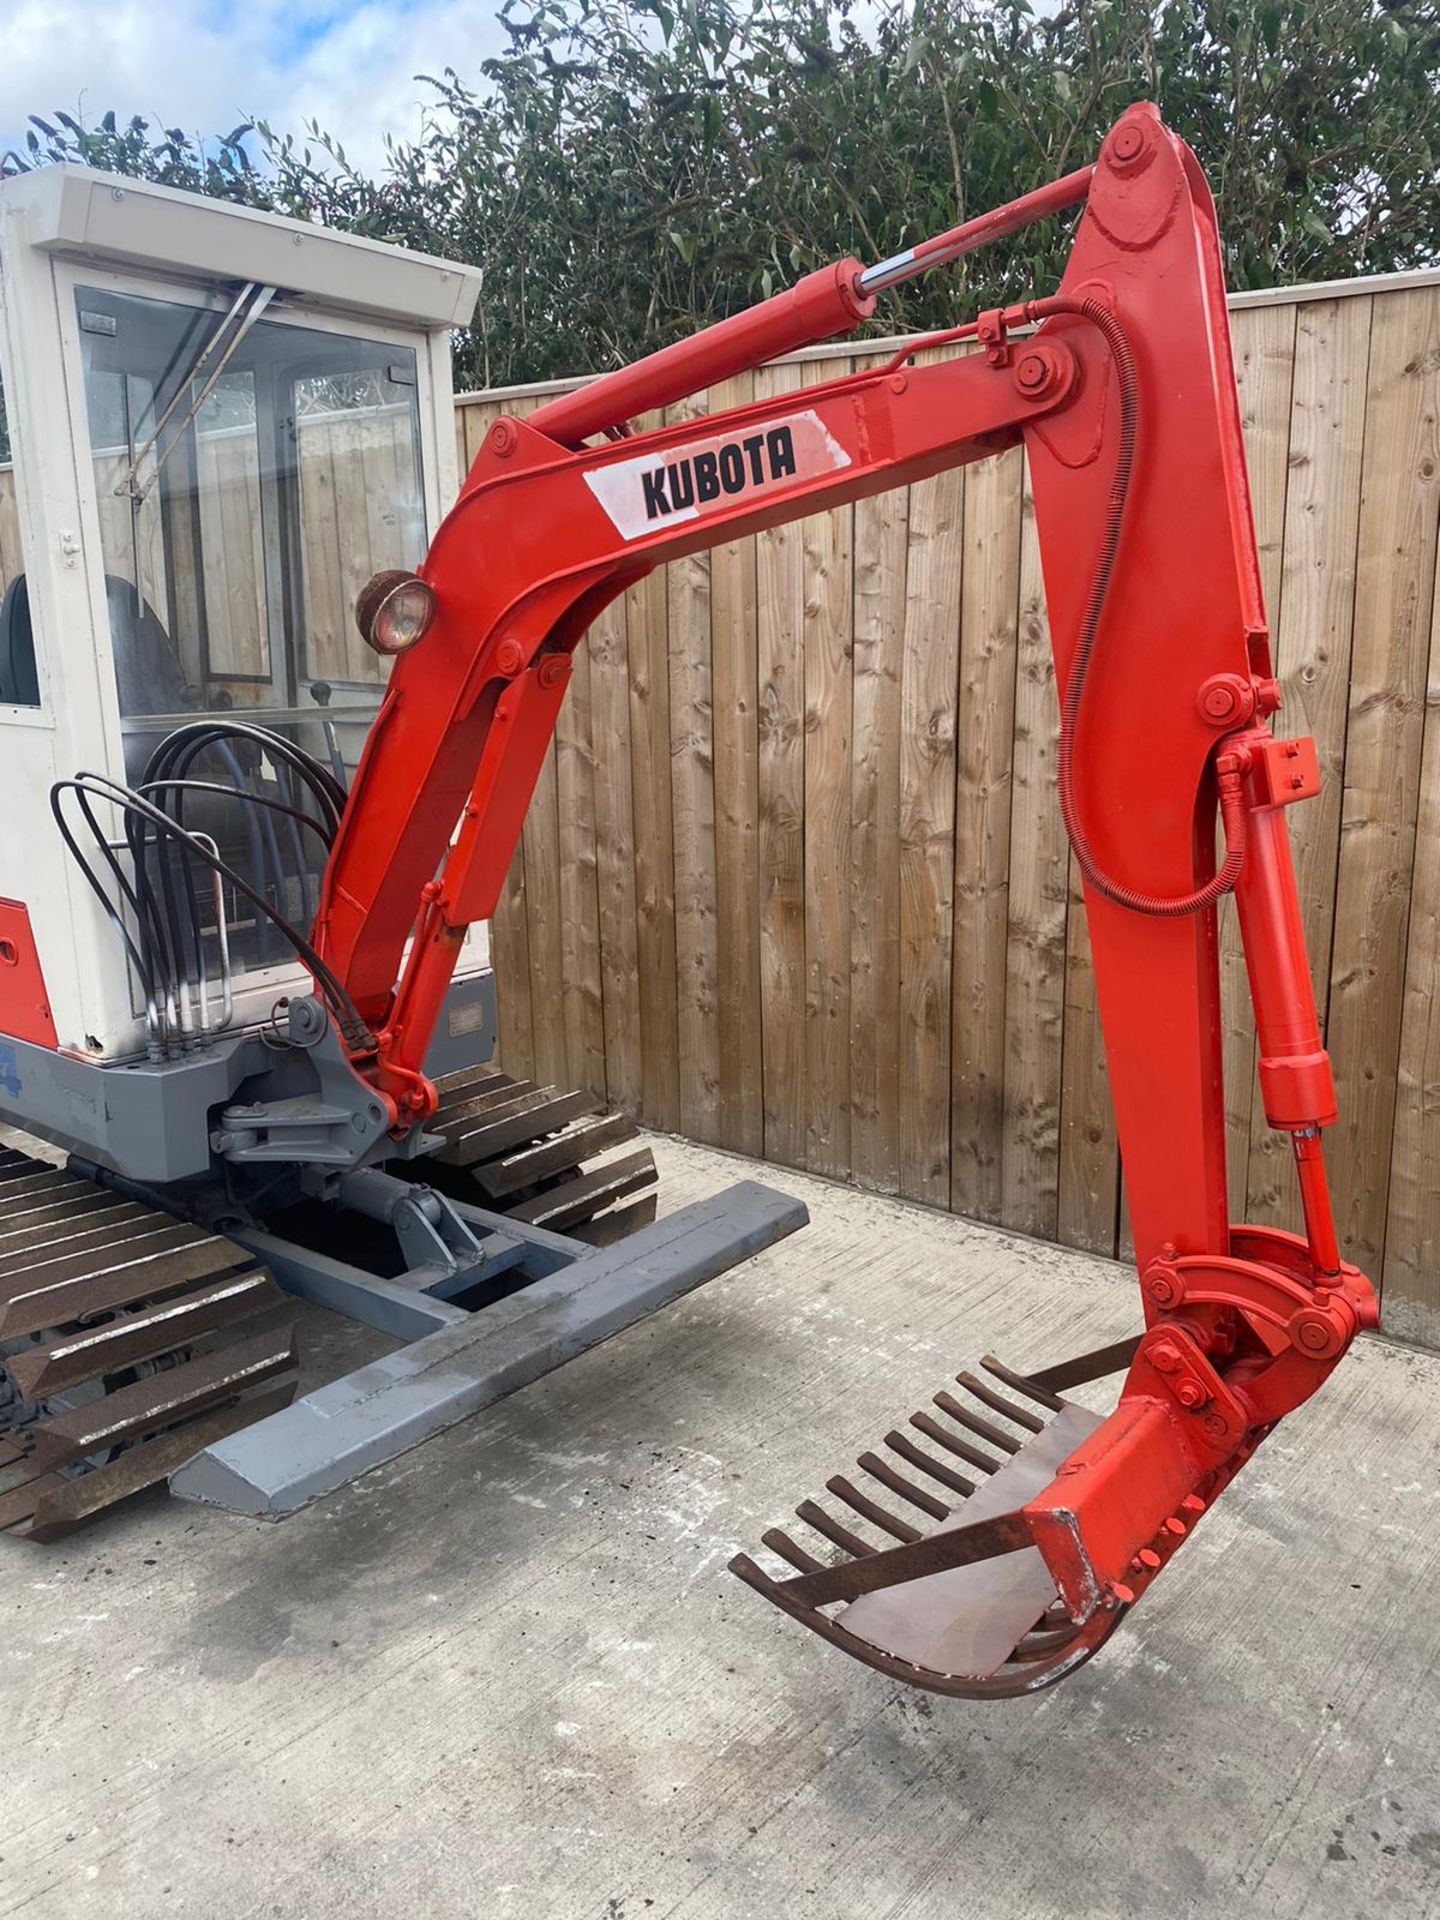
column 1121, row 389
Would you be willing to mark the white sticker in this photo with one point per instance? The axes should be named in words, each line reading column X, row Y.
column 700, row 477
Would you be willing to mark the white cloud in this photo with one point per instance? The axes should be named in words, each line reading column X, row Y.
column 205, row 65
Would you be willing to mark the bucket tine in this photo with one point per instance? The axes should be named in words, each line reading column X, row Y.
column 816, row 1517
column 972, row 1422
column 926, row 1423
column 1085, row 1367
column 782, row 1545
column 1020, row 1383
column 868, row 1509
column 936, row 1469
column 997, row 1403
column 882, row 1471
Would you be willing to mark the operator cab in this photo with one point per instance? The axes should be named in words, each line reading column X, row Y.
column 215, row 426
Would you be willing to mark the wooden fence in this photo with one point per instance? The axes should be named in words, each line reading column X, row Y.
column 794, row 881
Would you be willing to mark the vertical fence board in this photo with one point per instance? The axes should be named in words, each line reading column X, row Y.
column 693, row 799
column 1035, row 935
column 545, row 925
column 1395, row 578
column 1088, row 1203
column 735, row 701
column 10, row 561
column 882, row 539
column 1312, row 652
column 985, row 726
column 646, row 613
column 827, row 634
column 1412, row 1235
column 615, row 858
column 927, row 832
column 583, row 1000
column 781, row 713
column 1264, row 346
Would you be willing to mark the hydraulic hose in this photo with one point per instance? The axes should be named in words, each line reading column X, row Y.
column 1232, row 800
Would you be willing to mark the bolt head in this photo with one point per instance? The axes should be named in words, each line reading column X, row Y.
column 1162, row 1289
column 1214, row 1425
column 509, row 657
column 1165, row 1358
column 1314, row 1335
column 1191, row 1394
column 1129, row 143
column 1031, row 371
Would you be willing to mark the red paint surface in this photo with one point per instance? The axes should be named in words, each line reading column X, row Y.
column 24, row 1003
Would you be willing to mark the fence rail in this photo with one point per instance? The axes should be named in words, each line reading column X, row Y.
column 794, row 882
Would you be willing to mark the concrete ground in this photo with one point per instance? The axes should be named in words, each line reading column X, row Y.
column 509, row 1674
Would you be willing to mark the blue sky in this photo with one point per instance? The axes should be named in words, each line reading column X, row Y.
column 206, row 65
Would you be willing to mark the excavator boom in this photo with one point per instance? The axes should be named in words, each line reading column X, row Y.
column 1121, row 390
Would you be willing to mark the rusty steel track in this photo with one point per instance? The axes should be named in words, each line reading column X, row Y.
column 118, row 1355
column 538, row 1153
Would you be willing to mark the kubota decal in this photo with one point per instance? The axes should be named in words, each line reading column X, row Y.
column 700, row 476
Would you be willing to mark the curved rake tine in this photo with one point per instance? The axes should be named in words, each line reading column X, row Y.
column 937, row 1470
column 860, row 1503
column 781, row 1544
column 997, row 1403
column 816, row 1517
column 1040, row 1646
column 947, row 1403
column 1086, row 1367
column 1042, row 1396
column 932, row 1429
column 880, row 1470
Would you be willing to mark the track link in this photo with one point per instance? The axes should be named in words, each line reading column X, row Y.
column 118, row 1349
column 541, row 1155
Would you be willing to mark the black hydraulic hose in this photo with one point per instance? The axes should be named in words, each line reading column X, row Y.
column 181, row 749
column 170, row 755
column 219, row 788
column 1232, row 801
column 163, row 909
column 188, row 741
column 295, row 818
column 288, row 785
column 352, row 1024
column 143, row 971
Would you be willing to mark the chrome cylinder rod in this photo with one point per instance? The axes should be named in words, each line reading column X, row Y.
column 1068, row 191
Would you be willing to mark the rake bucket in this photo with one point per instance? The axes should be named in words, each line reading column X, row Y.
column 994, row 1544
column 958, row 1598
